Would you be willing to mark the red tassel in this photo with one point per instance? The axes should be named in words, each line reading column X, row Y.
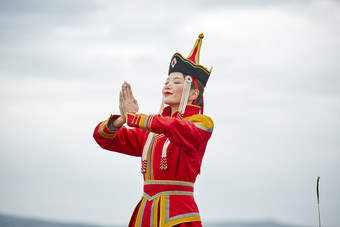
column 143, row 168
column 196, row 87
column 179, row 115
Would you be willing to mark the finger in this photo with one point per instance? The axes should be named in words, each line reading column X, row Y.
column 132, row 93
column 121, row 103
column 121, row 98
column 124, row 89
column 136, row 103
column 128, row 90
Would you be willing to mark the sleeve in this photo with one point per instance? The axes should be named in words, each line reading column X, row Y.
column 191, row 133
column 121, row 140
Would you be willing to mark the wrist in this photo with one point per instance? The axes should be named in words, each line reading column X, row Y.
column 119, row 122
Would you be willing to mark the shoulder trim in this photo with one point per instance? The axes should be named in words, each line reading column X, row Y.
column 202, row 122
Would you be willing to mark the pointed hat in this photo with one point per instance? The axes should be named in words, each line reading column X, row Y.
column 190, row 65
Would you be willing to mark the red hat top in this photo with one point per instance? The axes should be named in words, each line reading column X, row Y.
column 190, row 65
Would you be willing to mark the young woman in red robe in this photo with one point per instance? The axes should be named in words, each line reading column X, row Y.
column 171, row 144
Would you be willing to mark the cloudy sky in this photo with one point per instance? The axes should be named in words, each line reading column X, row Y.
column 273, row 95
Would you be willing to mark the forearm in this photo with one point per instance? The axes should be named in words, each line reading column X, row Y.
column 121, row 140
column 179, row 132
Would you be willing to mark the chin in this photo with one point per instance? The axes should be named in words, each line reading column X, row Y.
column 171, row 104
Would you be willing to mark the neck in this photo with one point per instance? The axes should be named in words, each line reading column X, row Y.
column 174, row 108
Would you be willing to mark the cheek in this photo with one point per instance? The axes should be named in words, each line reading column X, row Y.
column 179, row 89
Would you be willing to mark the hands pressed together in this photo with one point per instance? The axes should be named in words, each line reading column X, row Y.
column 127, row 103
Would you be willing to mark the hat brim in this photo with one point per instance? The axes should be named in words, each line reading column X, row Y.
column 180, row 64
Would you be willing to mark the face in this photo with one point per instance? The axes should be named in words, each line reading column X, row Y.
column 173, row 87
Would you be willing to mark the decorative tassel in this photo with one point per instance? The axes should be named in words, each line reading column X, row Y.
column 185, row 95
column 164, row 164
column 184, row 101
column 164, row 160
column 147, row 144
column 143, row 168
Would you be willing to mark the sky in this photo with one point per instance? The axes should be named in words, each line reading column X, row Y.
column 273, row 95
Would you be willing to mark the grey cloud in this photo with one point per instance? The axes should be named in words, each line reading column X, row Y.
column 257, row 4
column 275, row 106
column 60, row 8
column 39, row 35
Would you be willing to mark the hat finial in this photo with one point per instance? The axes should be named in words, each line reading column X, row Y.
column 194, row 55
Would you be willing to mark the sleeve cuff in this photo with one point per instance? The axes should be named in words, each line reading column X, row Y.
column 104, row 130
column 141, row 121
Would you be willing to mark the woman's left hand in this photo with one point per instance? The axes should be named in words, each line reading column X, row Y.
column 127, row 102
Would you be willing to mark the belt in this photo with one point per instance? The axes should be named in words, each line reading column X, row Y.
column 155, row 188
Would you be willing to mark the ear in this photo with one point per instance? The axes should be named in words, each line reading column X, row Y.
column 193, row 95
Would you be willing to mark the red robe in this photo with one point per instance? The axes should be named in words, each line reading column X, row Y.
column 168, row 195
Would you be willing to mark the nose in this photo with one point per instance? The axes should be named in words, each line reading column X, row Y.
column 167, row 86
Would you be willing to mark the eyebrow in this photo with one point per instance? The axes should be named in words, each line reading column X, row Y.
column 176, row 77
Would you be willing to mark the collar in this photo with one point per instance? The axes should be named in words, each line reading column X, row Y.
column 189, row 111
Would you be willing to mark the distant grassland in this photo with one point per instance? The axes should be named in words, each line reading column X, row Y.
column 13, row 221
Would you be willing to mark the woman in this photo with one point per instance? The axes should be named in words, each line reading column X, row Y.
column 171, row 144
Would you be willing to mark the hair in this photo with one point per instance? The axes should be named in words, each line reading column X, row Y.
column 201, row 91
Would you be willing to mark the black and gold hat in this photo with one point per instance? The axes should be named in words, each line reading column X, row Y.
column 190, row 65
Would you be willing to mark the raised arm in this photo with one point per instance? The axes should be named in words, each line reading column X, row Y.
column 121, row 140
column 192, row 133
